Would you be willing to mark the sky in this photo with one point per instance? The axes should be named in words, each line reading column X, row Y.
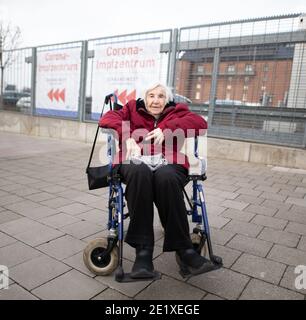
column 56, row 21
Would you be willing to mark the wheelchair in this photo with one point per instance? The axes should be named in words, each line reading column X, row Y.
column 103, row 256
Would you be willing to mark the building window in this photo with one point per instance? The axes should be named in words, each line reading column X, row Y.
column 246, row 79
column 228, row 96
column 229, row 87
column 198, row 86
column 245, row 97
column 200, row 69
column 231, row 68
column 265, row 68
column 248, row 68
column 197, row 96
column 245, row 88
column 230, row 79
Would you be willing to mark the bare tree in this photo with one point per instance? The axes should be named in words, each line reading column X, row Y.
column 9, row 40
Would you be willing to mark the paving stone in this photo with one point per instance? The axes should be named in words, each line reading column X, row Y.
column 228, row 255
column 220, row 237
column 41, row 196
column 287, row 255
column 245, row 228
column 74, row 208
column 260, row 290
column 289, row 278
column 18, row 226
column 261, row 210
column 16, row 253
column 250, row 245
column 63, row 247
column 270, row 222
column 72, row 285
column 95, row 216
column 110, row 294
column 81, row 229
column 238, row 215
column 6, row 216
column 59, row 220
column 38, row 235
column 279, row 237
column 15, row 292
column 222, row 282
column 10, row 199
column 212, row 297
column 6, row 240
column 129, row 289
column 302, row 244
column 249, row 192
column 21, row 206
column 217, row 221
column 166, row 264
column 291, row 216
column 260, row 268
column 76, row 261
column 276, row 204
column 25, row 191
column 214, row 209
column 176, row 290
column 56, row 202
column 39, row 212
column 298, row 228
column 297, row 201
column 250, row 199
column 37, row 271
column 234, row 204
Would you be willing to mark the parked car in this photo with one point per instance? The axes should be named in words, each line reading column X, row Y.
column 220, row 102
column 24, row 102
column 10, row 97
column 180, row 98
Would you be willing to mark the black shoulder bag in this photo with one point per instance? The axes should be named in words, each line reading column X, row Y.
column 98, row 177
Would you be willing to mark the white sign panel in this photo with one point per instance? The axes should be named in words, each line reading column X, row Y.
column 58, row 81
column 124, row 68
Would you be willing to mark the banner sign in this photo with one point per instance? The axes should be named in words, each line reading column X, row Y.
column 58, row 82
column 124, row 68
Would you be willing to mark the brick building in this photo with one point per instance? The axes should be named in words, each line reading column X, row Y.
column 252, row 75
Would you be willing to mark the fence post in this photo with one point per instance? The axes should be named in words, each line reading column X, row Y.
column 172, row 60
column 33, row 80
column 82, row 93
column 213, row 90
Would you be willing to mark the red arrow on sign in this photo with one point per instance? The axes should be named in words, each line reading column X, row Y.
column 57, row 95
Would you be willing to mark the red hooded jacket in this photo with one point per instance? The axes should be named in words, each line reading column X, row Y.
column 176, row 121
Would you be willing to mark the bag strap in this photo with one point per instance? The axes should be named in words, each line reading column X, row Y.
column 106, row 101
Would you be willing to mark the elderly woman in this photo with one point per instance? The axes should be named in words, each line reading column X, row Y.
column 159, row 115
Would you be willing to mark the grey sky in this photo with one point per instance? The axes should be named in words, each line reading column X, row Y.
column 48, row 22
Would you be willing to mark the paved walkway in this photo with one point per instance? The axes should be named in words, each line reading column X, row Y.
column 257, row 216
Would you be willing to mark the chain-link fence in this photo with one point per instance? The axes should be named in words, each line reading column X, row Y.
column 247, row 77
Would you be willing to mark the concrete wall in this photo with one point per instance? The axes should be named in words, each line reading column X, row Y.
column 217, row 148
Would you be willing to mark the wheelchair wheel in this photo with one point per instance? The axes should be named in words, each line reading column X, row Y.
column 196, row 241
column 93, row 261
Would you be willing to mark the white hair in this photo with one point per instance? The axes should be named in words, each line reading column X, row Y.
column 168, row 91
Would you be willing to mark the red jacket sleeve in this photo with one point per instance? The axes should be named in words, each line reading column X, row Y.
column 185, row 119
column 114, row 119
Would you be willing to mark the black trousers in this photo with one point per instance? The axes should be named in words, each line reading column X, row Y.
column 164, row 187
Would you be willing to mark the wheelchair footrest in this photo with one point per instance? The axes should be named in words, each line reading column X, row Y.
column 188, row 272
column 126, row 277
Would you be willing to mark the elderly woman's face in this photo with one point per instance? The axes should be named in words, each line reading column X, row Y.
column 156, row 101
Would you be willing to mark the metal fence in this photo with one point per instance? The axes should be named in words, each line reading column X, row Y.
column 248, row 77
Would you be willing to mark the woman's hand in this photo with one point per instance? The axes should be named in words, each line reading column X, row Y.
column 132, row 149
column 157, row 135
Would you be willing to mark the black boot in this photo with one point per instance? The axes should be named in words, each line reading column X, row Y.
column 143, row 265
column 192, row 263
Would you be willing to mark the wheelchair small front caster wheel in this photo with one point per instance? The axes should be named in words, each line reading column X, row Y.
column 96, row 259
column 198, row 244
